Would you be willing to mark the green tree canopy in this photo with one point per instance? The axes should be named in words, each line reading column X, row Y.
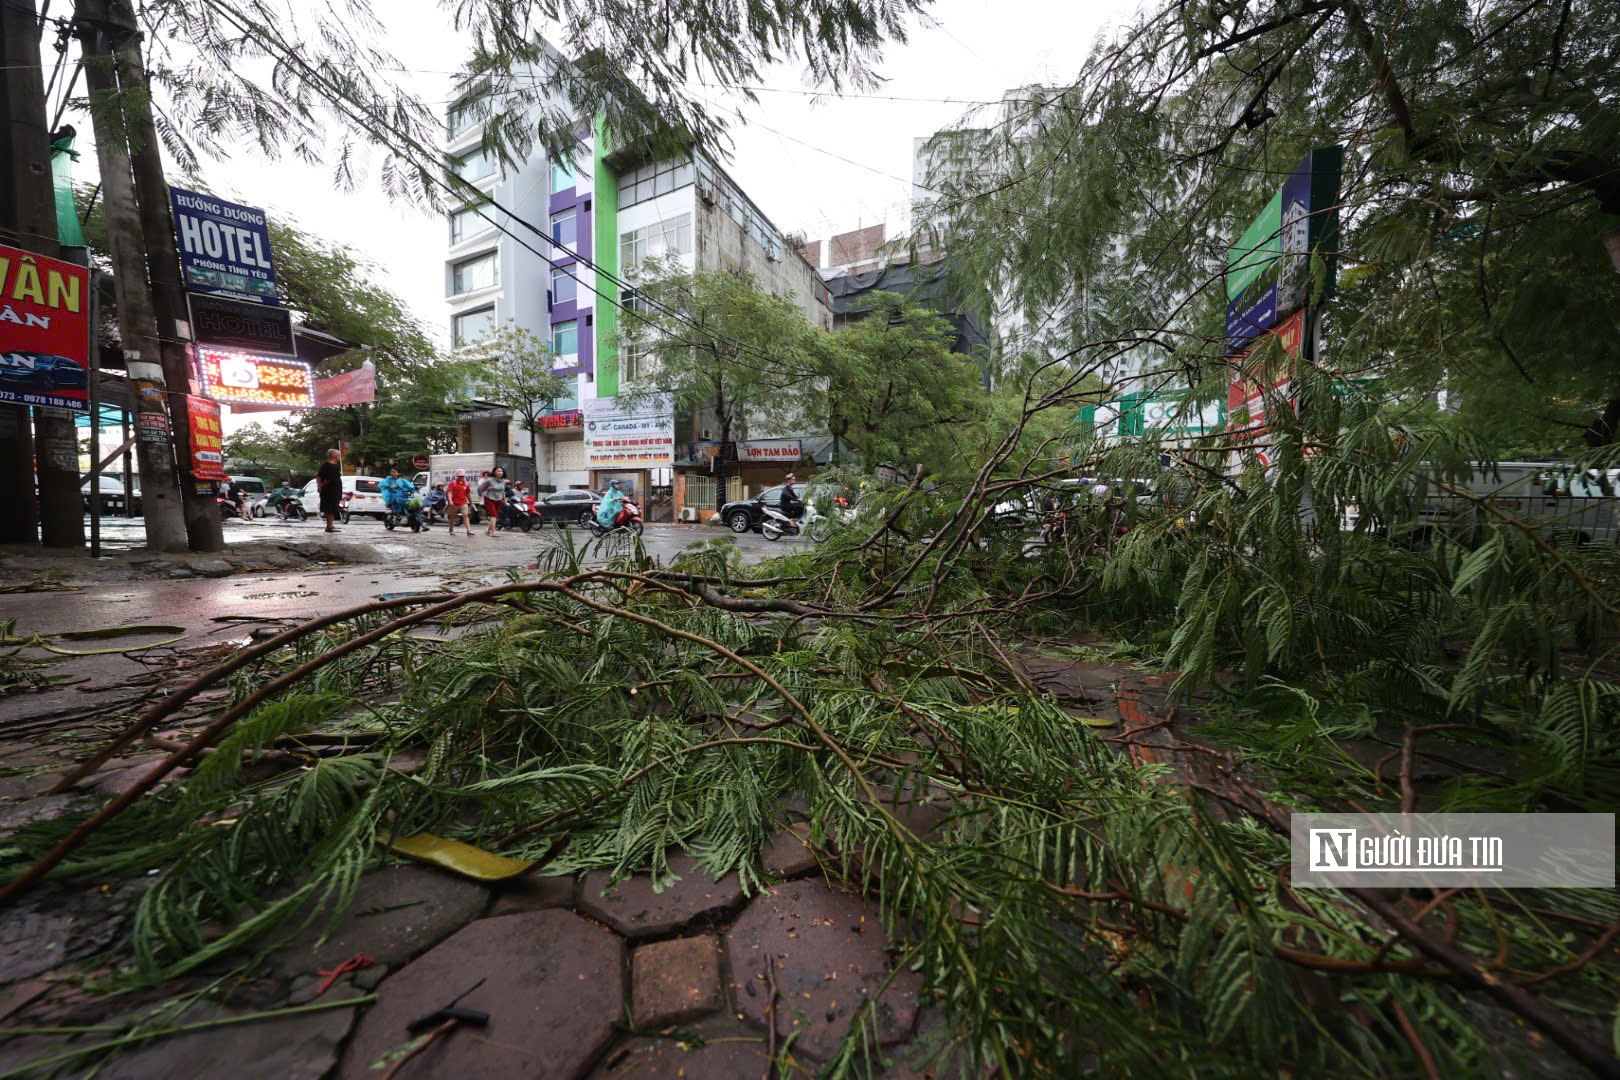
column 725, row 350
column 893, row 391
column 514, row 367
column 1481, row 178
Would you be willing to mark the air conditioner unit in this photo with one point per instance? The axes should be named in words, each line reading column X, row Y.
column 688, row 513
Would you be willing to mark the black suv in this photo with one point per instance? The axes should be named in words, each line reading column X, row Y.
column 746, row 515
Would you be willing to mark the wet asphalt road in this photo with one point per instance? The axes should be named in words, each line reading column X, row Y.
column 413, row 562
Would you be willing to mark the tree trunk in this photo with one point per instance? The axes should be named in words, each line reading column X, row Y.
column 204, row 530
column 1601, row 431
column 160, row 494
column 27, row 221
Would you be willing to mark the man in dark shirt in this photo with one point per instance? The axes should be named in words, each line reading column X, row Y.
column 791, row 504
column 330, row 482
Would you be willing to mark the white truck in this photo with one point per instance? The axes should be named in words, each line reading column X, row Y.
column 1553, row 496
column 442, row 468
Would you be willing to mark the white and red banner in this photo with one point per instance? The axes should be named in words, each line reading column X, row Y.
column 763, row 450
column 640, row 436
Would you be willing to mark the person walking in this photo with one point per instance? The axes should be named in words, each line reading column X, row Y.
column 330, row 481
column 459, row 492
column 495, row 491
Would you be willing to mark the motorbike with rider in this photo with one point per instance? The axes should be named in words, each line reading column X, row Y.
column 398, row 494
column 617, row 511
column 435, row 503
column 285, row 501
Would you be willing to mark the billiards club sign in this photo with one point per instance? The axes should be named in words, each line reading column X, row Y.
column 44, row 331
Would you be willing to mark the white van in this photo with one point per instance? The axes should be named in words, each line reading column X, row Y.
column 365, row 496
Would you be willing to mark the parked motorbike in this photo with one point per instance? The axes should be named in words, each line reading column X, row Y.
column 629, row 518
column 343, row 507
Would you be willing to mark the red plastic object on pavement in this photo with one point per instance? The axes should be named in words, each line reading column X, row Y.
column 353, row 963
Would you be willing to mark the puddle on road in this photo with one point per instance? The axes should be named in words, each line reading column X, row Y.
column 290, row 594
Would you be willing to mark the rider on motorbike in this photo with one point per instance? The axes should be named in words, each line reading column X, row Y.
column 395, row 490
column 791, row 505
column 435, row 501
column 283, row 494
column 607, row 515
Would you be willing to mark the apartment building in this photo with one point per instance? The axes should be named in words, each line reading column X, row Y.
column 550, row 251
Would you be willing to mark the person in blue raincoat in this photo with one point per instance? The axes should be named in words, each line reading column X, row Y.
column 612, row 502
column 395, row 490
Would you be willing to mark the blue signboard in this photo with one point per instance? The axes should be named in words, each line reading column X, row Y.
column 224, row 247
column 1268, row 275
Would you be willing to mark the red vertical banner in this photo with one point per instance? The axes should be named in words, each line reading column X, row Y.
column 207, row 441
column 1247, row 395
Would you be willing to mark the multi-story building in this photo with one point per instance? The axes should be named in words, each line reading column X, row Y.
column 550, row 251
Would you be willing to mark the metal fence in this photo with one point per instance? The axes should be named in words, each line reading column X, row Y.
column 700, row 492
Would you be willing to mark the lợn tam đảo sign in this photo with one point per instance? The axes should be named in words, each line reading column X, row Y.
column 785, row 450
column 224, row 247
column 44, row 331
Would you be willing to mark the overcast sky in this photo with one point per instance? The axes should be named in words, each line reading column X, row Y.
column 813, row 163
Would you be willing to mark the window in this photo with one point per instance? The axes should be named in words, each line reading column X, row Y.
column 670, row 237
column 564, row 229
column 469, row 326
column 653, row 179
column 563, row 175
column 467, row 223
column 478, row 272
column 368, row 487
column 564, row 287
column 638, row 366
column 474, row 165
column 565, row 338
column 468, row 113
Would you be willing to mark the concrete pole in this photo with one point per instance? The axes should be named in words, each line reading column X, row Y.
column 160, row 493
column 204, row 530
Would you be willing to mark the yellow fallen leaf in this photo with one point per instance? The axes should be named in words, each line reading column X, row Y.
column 1096, row 721
column 464, row 859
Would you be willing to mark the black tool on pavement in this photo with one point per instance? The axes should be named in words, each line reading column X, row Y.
column 439, row 1016
column 450, row 1012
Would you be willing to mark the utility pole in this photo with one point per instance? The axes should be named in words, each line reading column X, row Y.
column 28, row 221
column 160, row 495
column 204, row 531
